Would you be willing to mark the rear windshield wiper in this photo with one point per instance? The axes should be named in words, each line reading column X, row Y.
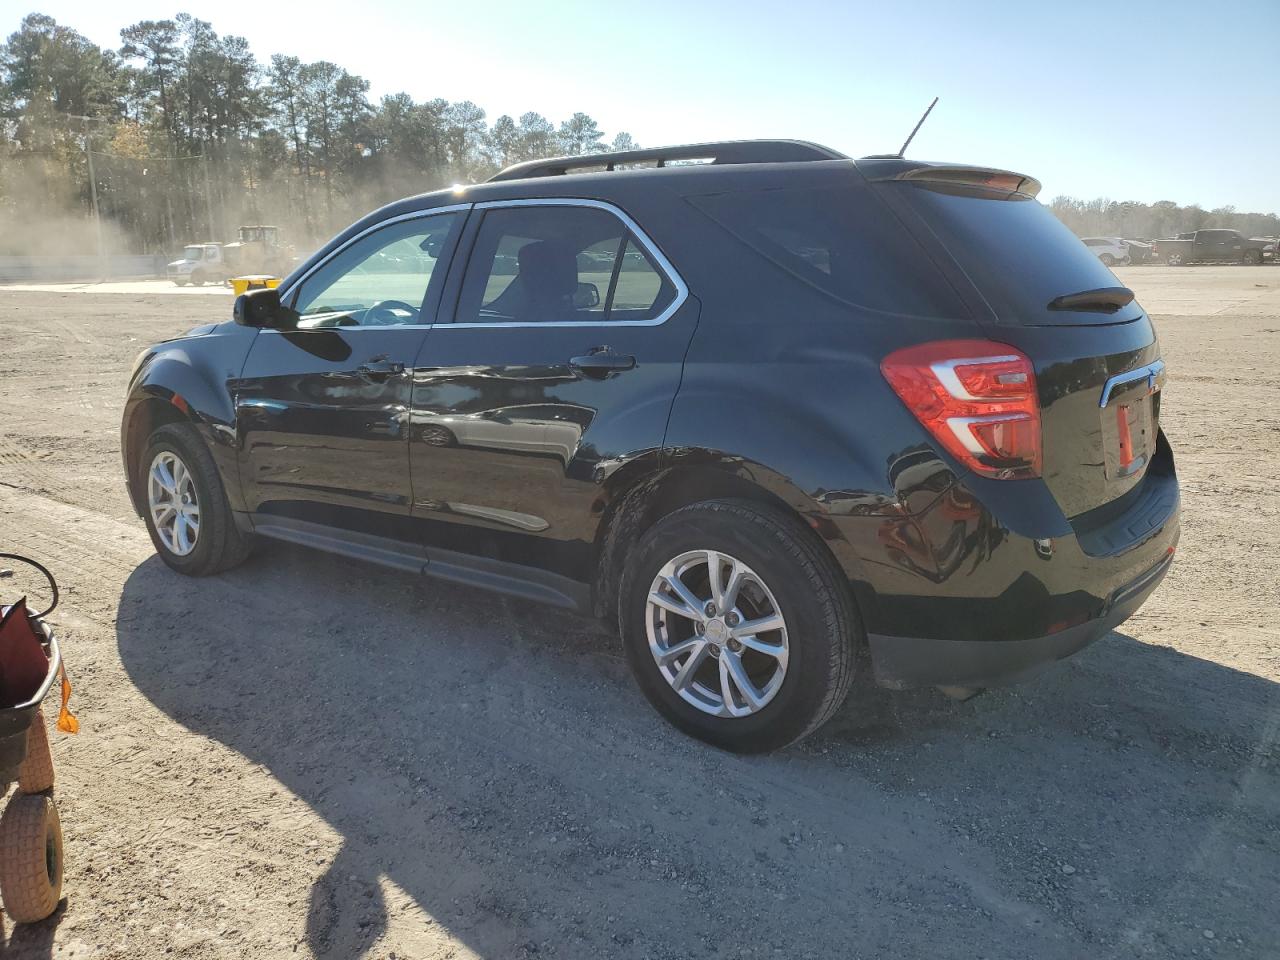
column 1102, row 300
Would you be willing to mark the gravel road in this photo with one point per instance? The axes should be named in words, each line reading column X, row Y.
column 309, row 757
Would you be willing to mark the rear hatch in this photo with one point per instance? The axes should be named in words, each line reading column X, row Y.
column 1040, row 289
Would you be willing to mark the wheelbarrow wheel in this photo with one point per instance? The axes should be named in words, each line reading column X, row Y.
column 36, row 773
column 30, row 858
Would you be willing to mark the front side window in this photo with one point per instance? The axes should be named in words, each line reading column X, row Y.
column 559, row 264
column 380, row 280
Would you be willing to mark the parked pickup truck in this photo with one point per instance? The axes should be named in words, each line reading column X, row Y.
column 1214, row 245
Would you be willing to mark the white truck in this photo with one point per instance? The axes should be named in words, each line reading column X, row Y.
column 200, row 263
column 258, row 249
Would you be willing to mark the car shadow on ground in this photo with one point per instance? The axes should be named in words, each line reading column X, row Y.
column 494, row 760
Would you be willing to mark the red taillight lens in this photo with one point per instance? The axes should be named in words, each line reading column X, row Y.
column 977, row 398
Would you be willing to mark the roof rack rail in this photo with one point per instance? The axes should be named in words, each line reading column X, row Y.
column 729, row 151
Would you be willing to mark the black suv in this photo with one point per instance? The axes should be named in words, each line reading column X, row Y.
column 761, row 404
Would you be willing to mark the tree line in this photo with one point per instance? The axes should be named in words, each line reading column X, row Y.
column 189, row 134
column 1150, row 221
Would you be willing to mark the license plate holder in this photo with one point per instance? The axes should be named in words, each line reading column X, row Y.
column 1130, row 410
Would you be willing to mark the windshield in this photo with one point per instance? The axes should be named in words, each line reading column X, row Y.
column 192, row 253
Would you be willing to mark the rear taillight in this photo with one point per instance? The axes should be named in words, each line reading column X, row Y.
column 977, row 398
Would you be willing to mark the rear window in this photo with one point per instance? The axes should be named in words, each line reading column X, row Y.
column 1016, row 252
column 841, row 240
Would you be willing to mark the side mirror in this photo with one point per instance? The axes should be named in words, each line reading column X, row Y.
column 586, row 296
column 262, row 308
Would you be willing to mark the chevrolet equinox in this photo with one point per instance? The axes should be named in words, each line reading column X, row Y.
column 762, row 405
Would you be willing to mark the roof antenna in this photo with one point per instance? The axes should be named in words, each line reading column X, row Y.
column 916, row 129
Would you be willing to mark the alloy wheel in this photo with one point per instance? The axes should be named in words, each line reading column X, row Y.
column 717, row 633
column 173, row 503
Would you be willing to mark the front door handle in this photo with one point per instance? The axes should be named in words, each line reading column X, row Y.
column 380, row 369
column 601, row 363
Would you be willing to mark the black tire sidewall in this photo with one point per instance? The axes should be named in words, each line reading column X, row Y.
column 181, row 440
column 808, row 614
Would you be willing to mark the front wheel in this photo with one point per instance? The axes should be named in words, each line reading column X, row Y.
column 187, row 515
column 737, row 625
column 1108, row 260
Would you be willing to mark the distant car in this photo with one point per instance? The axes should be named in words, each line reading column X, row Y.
column 1139, row 251
column 1110, row 250
column 1214, row 246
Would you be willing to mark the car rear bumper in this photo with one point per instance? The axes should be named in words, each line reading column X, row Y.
column 954, row 594
column 904, row 662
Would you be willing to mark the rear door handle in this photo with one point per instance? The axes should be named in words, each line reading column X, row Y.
column 601, row 364
column 377, row 369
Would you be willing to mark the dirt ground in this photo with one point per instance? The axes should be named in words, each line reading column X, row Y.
column 309, row 757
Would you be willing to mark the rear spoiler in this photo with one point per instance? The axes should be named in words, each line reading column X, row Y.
column 983, row 178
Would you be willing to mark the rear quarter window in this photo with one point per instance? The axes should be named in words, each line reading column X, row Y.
column 842, row 241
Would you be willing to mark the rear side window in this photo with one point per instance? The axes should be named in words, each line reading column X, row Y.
column 1016, row 252
column 842, row 240
column 560, row 264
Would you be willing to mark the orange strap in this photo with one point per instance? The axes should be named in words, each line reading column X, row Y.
column 67, row 721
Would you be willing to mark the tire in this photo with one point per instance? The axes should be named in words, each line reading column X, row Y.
column 35, row 775
column 1108, row 260
column 793, row 574
column 30, row 858
column 1177, row 260
column 217, row 544
column 1253, row 257
column 197, row 278
column 179, row 283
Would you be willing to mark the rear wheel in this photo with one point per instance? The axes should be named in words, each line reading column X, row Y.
column 35, row 775
column 1252, row 256
column 197, row 278
column 187, row 515
column 179, row 282
column 738, row 627
column 1177, row 260
column 438, row 436
column 30, row 858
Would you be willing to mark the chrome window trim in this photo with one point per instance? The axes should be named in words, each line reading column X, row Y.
column 665, row 265
column 668, row 269
column 289, row 291
column 1153, row 373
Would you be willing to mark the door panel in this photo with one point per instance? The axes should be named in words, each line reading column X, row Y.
column 323, row 409
column 531, row 440
column 321, row 439
column 560, row 370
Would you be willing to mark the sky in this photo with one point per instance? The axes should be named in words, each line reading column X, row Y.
column 1132, row 100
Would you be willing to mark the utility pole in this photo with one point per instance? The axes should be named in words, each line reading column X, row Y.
column 208, row 197
column 93, row 190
